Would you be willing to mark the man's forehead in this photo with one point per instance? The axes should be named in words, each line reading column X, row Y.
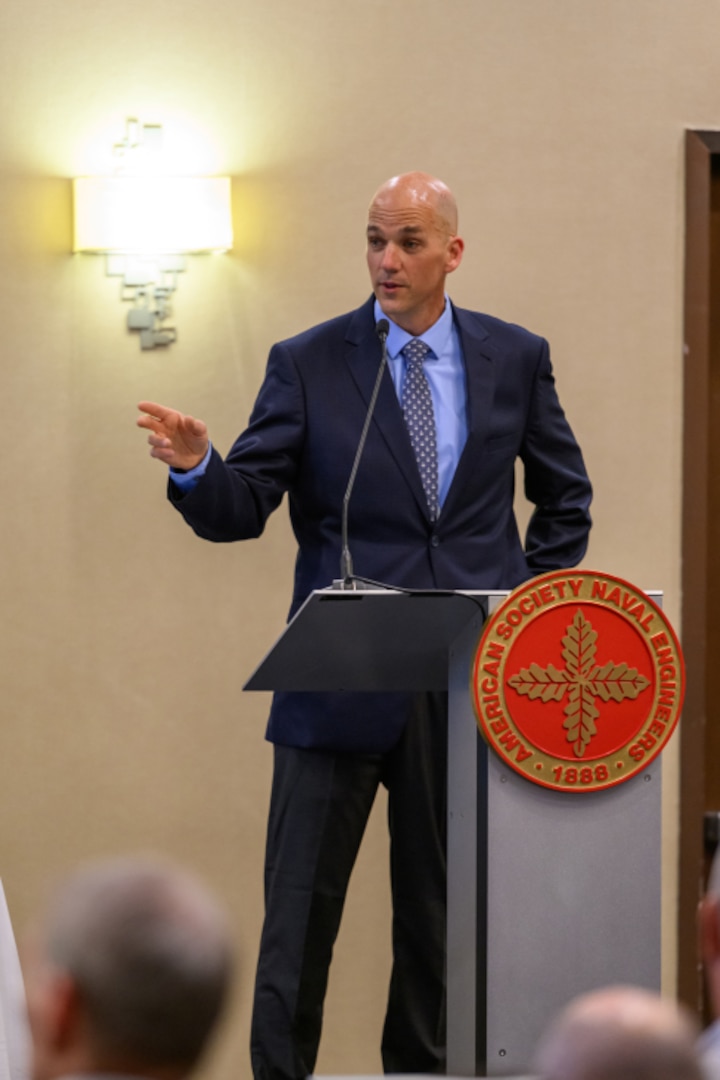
column 413, row 218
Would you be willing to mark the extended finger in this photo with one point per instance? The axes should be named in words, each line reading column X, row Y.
column 162, row 453
column 149, row 422
column 159, row 441
column 156, row 411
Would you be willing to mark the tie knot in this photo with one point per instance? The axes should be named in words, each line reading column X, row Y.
column 416, row 350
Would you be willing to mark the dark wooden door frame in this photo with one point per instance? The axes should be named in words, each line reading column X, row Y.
column 700, row 629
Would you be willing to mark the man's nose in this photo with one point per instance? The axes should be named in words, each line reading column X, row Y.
column 390, row 258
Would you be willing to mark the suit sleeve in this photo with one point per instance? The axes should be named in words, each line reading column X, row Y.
column 555, row 480
column 235, row 497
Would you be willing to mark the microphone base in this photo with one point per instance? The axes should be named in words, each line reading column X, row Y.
column 353, row 584
column 349, row 584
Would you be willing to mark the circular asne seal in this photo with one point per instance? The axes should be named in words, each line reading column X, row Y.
column 578, row 680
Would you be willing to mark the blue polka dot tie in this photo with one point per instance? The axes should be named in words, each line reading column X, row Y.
column 420, row 420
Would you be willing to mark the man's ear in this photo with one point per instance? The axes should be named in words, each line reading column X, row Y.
column 709, row 929
column 455, row 249
column 63, row 1011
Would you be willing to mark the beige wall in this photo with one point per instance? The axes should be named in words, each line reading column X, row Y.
column 126, row 641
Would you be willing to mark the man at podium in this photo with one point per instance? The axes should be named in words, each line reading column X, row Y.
column 463, row 396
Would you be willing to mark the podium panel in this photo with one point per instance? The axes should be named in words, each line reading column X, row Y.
column 573, row 897
column 550, row 893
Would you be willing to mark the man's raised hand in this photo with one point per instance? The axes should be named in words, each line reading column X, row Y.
column 178, row 440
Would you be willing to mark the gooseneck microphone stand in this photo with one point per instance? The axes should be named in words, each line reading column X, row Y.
column 347, row 579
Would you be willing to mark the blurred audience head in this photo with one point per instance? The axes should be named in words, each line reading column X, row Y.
column 127, row 971
column 620, row 1033
column 709, row 933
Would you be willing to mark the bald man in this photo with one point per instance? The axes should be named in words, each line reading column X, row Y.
column 126, row 973
column 463, row 396
column 620, row 1033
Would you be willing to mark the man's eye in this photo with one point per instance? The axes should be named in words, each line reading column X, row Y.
column 375, row 242
column 411, row 245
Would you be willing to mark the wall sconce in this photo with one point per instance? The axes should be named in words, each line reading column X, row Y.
column 145, row 225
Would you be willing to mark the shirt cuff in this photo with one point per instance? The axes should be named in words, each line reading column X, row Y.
column 186, row 480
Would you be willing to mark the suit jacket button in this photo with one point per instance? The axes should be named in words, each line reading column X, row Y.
column 434, row 540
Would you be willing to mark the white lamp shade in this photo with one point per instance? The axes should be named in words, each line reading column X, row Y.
column 128, row 215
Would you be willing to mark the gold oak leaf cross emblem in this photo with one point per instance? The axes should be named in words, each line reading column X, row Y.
column 582, row 681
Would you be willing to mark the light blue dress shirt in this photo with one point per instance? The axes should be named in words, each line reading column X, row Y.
column 445, row 373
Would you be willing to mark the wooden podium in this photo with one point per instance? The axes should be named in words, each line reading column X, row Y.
column 550, row 893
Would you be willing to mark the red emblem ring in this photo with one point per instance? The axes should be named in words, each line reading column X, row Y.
column 578, row 680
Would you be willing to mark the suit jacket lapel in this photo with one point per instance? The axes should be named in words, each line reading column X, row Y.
column 362, row 354
column 479, row 357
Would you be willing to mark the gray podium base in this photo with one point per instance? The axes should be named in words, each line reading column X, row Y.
column 550, row 893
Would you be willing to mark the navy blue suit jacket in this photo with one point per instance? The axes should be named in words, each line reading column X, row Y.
column 301, row 439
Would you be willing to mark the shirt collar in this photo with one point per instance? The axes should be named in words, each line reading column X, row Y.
column 436, row 337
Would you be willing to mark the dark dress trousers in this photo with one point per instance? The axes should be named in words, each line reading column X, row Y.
column 332, row 750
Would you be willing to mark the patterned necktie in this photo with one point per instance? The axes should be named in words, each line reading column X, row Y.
column 420, row 419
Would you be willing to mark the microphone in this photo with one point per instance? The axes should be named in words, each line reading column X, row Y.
column 382, row 329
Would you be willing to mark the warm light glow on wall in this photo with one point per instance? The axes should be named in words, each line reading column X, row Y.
column 145, row 221
column 152, row 215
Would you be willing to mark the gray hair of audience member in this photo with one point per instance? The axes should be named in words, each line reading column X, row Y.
column 620, row 1033
column 150, row 953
